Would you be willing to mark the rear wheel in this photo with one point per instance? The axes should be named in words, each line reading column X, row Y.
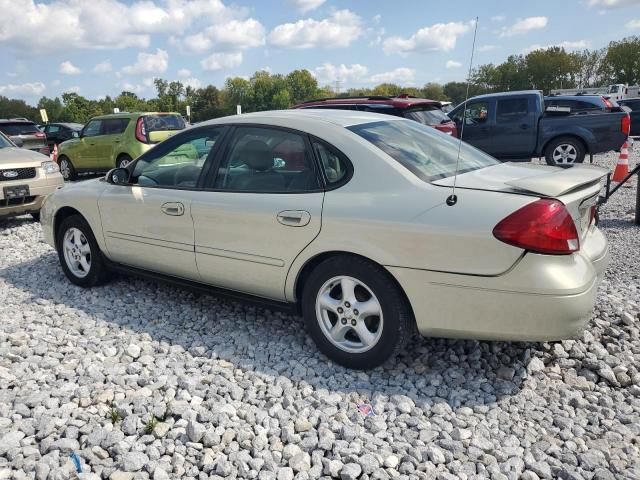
column 355, row 312
column 79, row 254
column 564, row 152
column 66, row 168
column 123, row 161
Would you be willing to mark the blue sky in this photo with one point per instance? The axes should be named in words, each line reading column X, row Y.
column 101, row 47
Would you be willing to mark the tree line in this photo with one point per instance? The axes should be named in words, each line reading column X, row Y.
column 541, row 69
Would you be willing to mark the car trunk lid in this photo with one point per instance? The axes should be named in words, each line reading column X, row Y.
column 577, row 187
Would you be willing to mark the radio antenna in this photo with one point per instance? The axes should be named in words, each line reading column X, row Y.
column 453, row 198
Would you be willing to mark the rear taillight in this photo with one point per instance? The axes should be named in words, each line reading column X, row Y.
column 592, row 214
column 39, row 135
column 625, row 124
column 544, row 226
column 141, row 132
column 607, row 103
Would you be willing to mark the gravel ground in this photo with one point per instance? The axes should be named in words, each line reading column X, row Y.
column 143, row 380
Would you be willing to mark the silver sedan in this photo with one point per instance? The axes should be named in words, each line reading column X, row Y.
column 348, row 217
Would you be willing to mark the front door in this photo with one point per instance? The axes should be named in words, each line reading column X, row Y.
column 148, row 224
column 86, row 157
column 265, row 208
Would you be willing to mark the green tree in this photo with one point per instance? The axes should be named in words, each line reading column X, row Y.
column 433, row 91
column 12, row 108
column 53, row 106
column 621, row 64
column 206, row 104
column 302, row 86
column 550, row 68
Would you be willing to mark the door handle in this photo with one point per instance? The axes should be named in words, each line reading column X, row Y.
column 173, row 208
column 294, row 218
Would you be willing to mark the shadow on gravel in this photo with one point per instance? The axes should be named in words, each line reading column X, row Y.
column 456, row 372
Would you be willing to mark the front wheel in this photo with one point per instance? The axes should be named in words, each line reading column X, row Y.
column 564, row 152
column 79, row 253
column 66, row 169
column 355, row 312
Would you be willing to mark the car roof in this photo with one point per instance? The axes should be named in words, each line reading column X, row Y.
column 15, row 120
column 505, row 94
column 401, row 101
column 130, row 115
column 341, row 118
column 67, row 124
column 573, row 97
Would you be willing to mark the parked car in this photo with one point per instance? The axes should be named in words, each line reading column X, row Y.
column 583, row 104
column 517, row 125
column 26, row 134
column 26, row 178
column 114, row 140
column 634, row 105
column 60, row 132
column 427, row 112
column 343, row 215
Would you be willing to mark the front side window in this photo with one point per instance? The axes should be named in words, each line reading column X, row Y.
column 92, row 129
column 52, row 129
column 423, row 151
column 178, row 162
column 511, row 109
column 267, row 160
column 477, row 113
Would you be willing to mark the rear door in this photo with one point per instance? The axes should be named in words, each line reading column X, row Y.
column 105, row 144
column 514, row 133
column 264, row 208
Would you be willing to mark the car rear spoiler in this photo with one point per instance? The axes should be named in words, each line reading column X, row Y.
column 560, row 181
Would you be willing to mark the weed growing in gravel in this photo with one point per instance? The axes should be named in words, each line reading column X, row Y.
column 114, row 415
column 151, row 424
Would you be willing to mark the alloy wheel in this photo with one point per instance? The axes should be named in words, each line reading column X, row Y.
column 65, row 168
column 77, row 252
column 565, row 154
column 349, row 314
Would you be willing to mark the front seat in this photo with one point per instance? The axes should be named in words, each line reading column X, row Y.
column 261, row 176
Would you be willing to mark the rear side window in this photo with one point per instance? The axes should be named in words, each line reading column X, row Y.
column 381, row 108
column 157, row 123
column 433, row 116
column 511, row 109
column 334, row 166
column 18, row 128
column 114, row 126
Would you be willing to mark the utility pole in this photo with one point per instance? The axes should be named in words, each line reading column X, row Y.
column 338, row 83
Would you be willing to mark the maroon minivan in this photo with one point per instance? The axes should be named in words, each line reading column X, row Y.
column 427, row 112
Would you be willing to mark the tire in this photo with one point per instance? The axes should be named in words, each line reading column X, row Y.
column 67, row 169
column 564, row 152
column 386, row 334
column 79, row 274
column 36, row 216
column 123, row 160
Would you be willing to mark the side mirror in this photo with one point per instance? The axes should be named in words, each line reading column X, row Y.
column 75, row 134
column 18, row 141
column 117, row 176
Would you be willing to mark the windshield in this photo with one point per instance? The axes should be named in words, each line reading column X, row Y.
column 427, row 153
column 18, row 128
column 430, row 117
column 4, row 142
column 155, row 123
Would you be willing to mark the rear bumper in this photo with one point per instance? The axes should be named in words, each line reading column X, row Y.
column 543, row 297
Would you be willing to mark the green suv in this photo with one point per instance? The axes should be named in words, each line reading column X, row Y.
column 114, row 140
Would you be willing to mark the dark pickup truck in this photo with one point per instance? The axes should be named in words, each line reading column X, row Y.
column 516, row 125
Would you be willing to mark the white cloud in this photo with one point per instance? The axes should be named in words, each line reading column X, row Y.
column 327, row 72
column 41, row 27
column 68, row 68
column 525, row 25
column 377, row 18
column 338, row 30
column 74, row 89
column 304, row 6
column 138, row 88
column 403, row 75
column 103, row 67
column 184, row 72
column 611, row 4
column 487, row 48
column 453, row 64
column 633, row 24
column 221, row 61
column 567, row 45
column 146, row 63
column 26, row 89
column 440, row 36
column 232, row 35
column 192, row 82
column 498, row 18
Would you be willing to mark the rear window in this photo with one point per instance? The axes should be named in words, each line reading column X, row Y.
column 157, row 123
column 422, row 150
column 18, row 128
column 431, row 117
